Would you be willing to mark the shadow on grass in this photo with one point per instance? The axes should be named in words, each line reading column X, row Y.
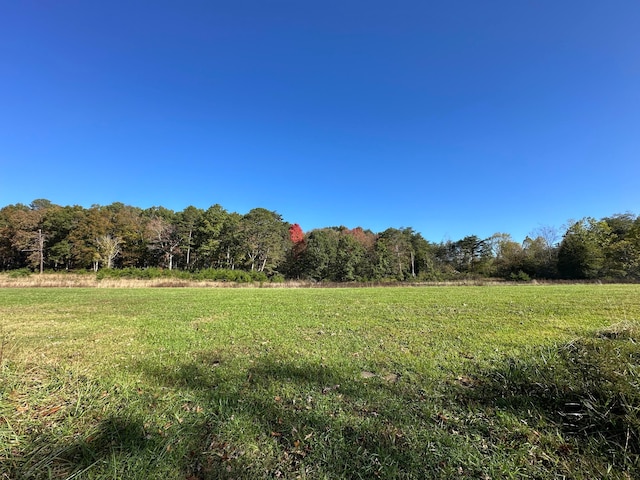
column 283, row 419
column 209, row 417
column 111, row 439
column 587, row 390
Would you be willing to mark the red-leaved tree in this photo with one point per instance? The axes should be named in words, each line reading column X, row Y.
column 297, row 238
column 296, row 234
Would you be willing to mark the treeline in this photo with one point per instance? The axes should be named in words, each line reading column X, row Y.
column 44, row 236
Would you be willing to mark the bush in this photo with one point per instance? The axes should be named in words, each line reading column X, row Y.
column 20, row 273
column 520, row 276
column 135, row 273
column 209, row 274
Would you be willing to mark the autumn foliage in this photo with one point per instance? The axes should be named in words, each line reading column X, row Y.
column 296, row 234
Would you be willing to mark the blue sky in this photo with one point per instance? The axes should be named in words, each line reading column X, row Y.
column 454, row 118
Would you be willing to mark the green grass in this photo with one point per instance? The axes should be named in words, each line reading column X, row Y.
column 436, row 382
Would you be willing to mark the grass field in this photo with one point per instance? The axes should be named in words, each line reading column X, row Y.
column 427, row 382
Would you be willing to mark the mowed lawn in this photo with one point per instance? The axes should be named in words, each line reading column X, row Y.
column 531, row 381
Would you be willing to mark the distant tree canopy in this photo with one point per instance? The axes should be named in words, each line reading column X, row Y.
column 43, row 235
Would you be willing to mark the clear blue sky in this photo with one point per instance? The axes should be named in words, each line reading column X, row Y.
column 452, row 117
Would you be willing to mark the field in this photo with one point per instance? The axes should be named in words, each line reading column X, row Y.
column 531, row 381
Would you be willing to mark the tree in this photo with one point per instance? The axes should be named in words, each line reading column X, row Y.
column 396, row 256
column 108, row 249
column 25, row 231
column 546, row 256
column 35, row 248
column 620, row 223
column 582, row 251
column 367, row 240
column 264, row 237
column 231, row 247
column 348, row 259
column 535, row 257
column 188, row 221
column 471, row 253
column 296, row 235
column 208, row 238
column 59, row 222
column 622, row 253
column 128, row 224
column 319, row 257
column 292, row 266
column 632, row 240
column 90, row 224
column 508, row 255
column 163, row 238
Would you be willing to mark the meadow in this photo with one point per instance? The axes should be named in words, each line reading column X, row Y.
column 482, row 382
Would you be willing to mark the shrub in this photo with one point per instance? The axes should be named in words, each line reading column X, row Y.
column 20, row 273
column 210, row 274
column 520, row 276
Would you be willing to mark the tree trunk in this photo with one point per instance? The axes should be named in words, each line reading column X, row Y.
column 413, row 264
column 189, row 248
column 41, row 249
column 252, row 256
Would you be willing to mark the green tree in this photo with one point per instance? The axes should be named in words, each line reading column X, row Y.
column 209, row 237
column 128, row 224
column 58, row 222
column 265, row 238
column 319, row 258
column 348, row 264
column 231, row 248
column 90, row 224
column 508, row 255
column 535, row 262
column 396, row 255
column 425, row 262
column 117, row 220
column 187, row 223
column 622, row 253
column 472, row 254
column 582, row 252
column 367, row 239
